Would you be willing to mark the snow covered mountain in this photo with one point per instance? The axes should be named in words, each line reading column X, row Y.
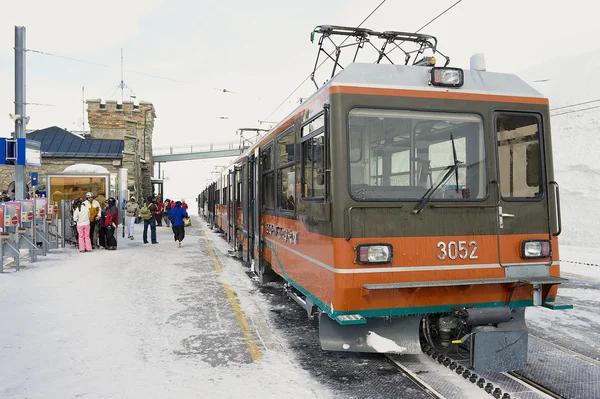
column 576, row 145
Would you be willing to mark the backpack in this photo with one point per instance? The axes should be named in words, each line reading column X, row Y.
column 145, row 213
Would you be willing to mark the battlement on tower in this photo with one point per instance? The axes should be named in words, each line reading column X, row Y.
column 112, row 120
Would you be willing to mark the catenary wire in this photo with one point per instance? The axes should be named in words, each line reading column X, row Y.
column 576, row 110
column 319, row 66
column 574, row 105
column 431, row 21
column 103, row 65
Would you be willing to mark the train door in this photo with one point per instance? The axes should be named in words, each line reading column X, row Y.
column 238, row 229
column 256, row 207
column 523, row 213
column 231, row 205
column 248, row 203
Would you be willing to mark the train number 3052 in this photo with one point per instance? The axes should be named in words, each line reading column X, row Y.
column 457, row 249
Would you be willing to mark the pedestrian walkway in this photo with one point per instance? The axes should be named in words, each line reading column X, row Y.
column 144, row 321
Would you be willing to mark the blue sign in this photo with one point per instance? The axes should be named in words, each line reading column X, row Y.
column 34, row 178
column 20, row 152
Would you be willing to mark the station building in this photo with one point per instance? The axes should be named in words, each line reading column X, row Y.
column 120, row 136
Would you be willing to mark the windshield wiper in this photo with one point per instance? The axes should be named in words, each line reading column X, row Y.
column 433, row 190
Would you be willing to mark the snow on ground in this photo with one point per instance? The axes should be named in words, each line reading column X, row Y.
column 149, row 321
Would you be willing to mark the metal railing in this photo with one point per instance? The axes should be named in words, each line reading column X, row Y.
column 196, row 148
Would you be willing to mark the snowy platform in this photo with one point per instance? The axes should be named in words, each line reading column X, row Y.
column 144, row 321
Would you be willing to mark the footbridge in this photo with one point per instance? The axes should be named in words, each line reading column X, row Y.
column 198, row 151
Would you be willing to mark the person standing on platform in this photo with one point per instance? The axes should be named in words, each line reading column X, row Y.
column 159, row 211
column 81, row 216
column 147, row 214
column 166, row 212
column 176, row 215
column 101, row 227
column 111, row 222
column 131, row 212
column 183, row 204
column 94, row 209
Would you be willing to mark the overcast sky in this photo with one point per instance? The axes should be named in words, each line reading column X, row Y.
column 260, row 50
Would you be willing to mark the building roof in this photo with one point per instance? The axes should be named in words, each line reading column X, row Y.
column 60, row 143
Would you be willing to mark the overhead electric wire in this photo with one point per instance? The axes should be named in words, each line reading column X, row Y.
column 431, row 21
column 319, row 66
column 576, row 110
column 574, row 105
column 439, row 15
column 103, row 65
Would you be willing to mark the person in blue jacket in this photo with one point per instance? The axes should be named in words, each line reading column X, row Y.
column 176, row 215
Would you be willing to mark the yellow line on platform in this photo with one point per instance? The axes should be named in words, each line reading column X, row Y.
column 239, row 314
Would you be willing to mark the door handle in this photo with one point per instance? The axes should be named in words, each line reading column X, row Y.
column 502, row 215
column 557, row 204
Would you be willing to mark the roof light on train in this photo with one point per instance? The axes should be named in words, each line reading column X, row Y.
column 532, row 249
column 447, row 77
column 426, row 61
column 374, row 253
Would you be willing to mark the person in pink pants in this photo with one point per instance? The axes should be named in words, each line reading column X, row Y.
column 81, row 216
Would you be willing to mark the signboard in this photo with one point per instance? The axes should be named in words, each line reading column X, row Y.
column 26, row 211
column 34, row 178
column 33, row 153
column 12, row 214
column 20, row 152
column 2, row 218
column 41, row 207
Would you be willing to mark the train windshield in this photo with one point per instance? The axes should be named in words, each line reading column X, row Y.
column 400, row 155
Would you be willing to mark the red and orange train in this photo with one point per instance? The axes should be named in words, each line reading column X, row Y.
column 404, row 205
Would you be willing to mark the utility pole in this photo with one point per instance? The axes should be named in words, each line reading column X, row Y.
column 20, row 100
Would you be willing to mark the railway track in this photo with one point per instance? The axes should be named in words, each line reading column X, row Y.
column 413, row 377
column 443, row 377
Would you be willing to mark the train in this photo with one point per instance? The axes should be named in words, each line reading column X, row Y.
column 404, row 206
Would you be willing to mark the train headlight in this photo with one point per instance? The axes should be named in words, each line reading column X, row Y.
column 374, row 253
column 532, row 249
column 447, row 77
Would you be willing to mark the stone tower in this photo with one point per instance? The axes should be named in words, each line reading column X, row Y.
column 134, row 124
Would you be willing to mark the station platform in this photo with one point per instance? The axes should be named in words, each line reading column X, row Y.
column 144, row 321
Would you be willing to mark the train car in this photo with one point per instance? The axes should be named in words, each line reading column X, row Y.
column 405, row 206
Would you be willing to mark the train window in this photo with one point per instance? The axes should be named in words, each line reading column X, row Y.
column 267, row 158
column 286, row 171
column 313, row 167
column 399, row 155
column 286, row 181
column 268, row 193
column 314, row 125
column 285, row 148
column 519, row 157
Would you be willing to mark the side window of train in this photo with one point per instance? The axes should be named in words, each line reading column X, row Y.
column 286, row 171
column 313, row 159
column 268, row 177
column 519, row 156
